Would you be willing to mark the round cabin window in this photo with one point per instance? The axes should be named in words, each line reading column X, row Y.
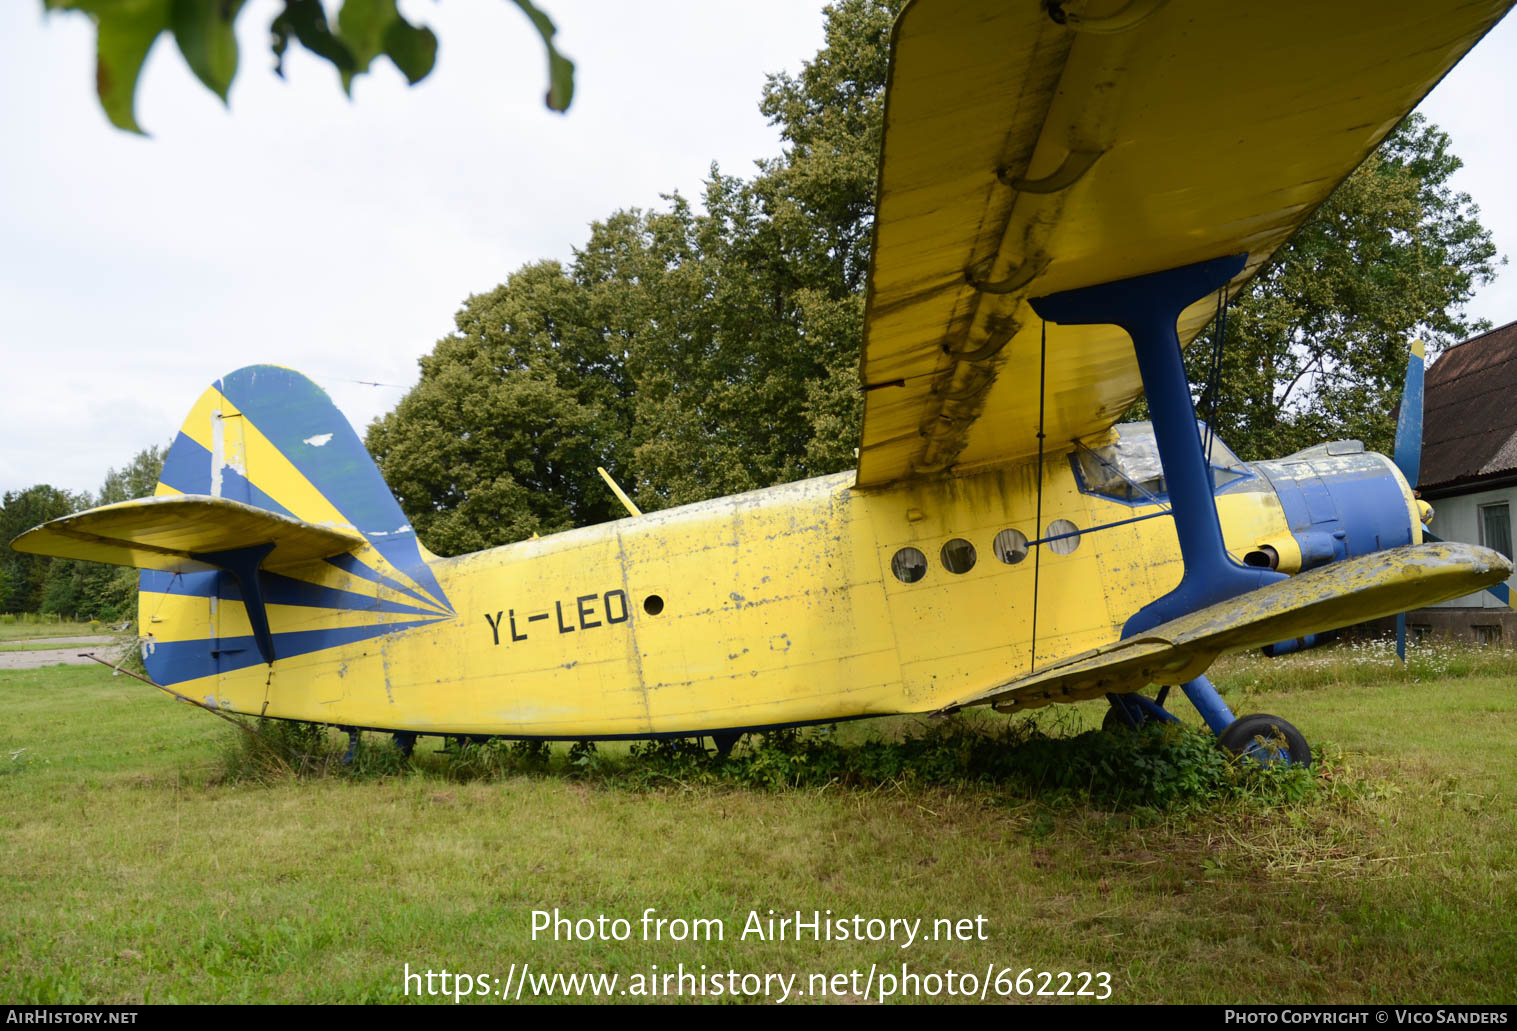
column 1010, row 546
column 958, row 556
column 1067, row 534
column 909, row 565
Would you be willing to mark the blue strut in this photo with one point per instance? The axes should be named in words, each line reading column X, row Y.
column 1148, row 307
column 242, row 565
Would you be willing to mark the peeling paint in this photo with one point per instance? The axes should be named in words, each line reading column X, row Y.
column 218, row 452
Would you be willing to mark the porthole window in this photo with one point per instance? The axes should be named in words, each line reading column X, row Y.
column 653, row 604
column 958, row 556
column 909, row 565
column 1010, row 546
column 1059, row 528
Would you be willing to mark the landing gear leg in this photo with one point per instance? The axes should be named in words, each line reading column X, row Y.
column 1209, row 704
column 1130, row 711
column 1267, row 739
column 724, row 742
column 405, row 741
column 348, row 756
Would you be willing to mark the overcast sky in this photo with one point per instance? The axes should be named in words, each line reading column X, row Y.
column 339, row 238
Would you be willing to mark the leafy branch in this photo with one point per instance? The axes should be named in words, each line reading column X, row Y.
column 205, row 33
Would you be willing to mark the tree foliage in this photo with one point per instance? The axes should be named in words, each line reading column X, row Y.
column 205, row 31
column 704, row 351
column 88, row 590
column 24, row 577
column 693, row 352
column 1317, row 347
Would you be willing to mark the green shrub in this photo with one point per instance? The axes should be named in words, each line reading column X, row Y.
column 1162, row 766
column 1159, row 767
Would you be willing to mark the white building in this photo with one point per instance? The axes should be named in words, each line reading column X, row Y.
column 1469, row 472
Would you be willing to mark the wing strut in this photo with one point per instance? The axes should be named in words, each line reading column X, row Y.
column 1147, row 307
column 1037, row 555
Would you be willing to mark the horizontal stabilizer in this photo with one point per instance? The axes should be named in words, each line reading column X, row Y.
column 167, row 533
column 1332, row 596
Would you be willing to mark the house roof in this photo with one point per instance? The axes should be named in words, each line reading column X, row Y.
column 1469, row 431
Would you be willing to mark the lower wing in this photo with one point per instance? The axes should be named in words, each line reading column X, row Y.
column 1332, row 596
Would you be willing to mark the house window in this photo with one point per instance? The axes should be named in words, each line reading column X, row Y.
column 1487, row 635
column 1496, row 528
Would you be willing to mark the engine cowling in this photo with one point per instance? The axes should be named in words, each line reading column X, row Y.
column 1340, row 502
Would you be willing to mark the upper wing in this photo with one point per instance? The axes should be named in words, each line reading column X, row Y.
column 1140, row 135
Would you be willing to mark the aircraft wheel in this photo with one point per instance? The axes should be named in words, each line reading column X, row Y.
column 1267, row 739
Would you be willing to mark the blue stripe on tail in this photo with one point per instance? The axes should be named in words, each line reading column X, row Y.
column 298, row 418
column 188, row 470
column 277, row 590
column 174, row 662
column 290, row 410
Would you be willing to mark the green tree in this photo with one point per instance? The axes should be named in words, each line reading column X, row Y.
column 90, row 590
column 1316, row 348
column 25, row 576
column 694, row 353
column 87, row 590
column 205, row 31
column 701, row 352
column 137, row 479
column 501, row 436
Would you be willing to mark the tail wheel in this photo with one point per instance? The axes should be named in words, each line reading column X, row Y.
column 1266, row 739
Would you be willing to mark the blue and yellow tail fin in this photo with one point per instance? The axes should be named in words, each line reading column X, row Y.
column 269, row 437
column 271, row 536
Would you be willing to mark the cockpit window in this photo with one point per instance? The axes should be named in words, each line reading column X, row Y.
column 1129, row 469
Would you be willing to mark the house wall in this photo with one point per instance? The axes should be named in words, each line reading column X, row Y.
column 1458, row 519
column 1469, row 626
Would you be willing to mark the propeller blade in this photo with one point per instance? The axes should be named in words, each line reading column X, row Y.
column 1408, row 457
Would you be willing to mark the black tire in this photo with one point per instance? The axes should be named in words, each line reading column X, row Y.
column 1270, row 735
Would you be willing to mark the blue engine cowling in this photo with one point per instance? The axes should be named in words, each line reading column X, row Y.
column 1340, row 501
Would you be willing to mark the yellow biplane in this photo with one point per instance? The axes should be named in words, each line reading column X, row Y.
column 1067, row 192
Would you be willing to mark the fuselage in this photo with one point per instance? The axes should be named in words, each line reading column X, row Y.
column 807, row 602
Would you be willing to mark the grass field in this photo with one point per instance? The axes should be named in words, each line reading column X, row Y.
column 52, row 644
column 37, row 628
column 135, row 870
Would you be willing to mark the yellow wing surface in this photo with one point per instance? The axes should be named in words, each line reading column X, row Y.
column 1032, row 147
column 166, row 533
column 1335, row 595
